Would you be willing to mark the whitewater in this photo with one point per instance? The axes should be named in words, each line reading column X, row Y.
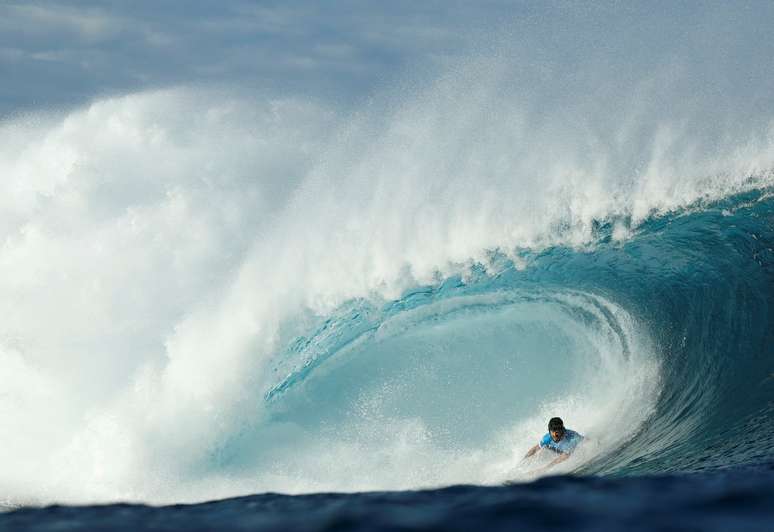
column 209, row 293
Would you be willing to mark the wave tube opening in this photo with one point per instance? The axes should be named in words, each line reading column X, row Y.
column 449, row 390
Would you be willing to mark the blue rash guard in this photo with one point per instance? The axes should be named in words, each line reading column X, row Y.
column 566, row 445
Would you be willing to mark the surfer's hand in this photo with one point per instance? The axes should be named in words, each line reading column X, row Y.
column 531, row 452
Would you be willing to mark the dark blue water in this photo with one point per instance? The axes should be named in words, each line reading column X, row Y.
column 738, row 500
column 698, row 284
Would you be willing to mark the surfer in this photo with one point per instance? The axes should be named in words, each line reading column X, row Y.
column 559, row 440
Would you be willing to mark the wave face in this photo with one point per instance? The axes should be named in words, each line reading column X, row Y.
column 658, row 348
column 208, row 294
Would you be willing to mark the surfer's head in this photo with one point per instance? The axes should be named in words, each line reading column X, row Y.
column 556, row 428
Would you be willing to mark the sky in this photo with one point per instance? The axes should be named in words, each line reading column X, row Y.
column 66, row 52
column 55, row 53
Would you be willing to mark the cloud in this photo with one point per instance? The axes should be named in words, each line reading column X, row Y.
column 86, row 25
column 56, row 53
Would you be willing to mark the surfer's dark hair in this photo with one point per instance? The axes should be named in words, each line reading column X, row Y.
column 556, row 423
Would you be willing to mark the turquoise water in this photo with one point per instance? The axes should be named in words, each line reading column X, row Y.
column 672, row 326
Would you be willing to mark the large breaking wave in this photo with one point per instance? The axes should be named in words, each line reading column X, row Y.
column 207, row 294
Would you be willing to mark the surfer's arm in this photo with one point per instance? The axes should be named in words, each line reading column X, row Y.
column 561, row 458
column 532, row 451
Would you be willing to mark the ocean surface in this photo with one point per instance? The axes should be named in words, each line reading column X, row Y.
column 739, row 500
